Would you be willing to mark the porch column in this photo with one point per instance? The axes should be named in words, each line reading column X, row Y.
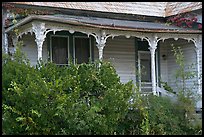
column 14, row 42
column 101, row 42
column 198, row 47
column 4, row 35
column 152, row 41
column 40, row 34
column 6, row 43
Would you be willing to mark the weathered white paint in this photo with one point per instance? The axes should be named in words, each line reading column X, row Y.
column 101, row 42
column 5, row 43
column 152, row 41
column 30, row 49
column 39, row 30
column 198, row 48
column 100, row 35
column 121, row 52
column 4, row 38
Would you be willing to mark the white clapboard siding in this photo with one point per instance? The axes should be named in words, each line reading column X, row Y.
column 163, row 63
column 30, row 48
column 168, row 71
column 121, row 52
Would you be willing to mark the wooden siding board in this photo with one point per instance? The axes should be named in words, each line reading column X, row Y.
column 121, row 52
column 30, row 49
column 171, row 66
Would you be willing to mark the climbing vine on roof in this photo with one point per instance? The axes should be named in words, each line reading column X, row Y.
column 16, row 12
column 185, row 21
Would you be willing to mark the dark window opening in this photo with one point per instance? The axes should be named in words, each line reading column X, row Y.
column 82, row 50
column 59, row 49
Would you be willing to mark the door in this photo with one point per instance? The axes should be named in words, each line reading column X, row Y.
column 144, row 67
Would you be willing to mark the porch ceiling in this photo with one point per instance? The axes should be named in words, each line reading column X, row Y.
column 105, row 23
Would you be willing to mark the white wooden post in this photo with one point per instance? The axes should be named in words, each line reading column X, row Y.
column 100, row 51
column 101, row 42
column 6, row 43
column 152, row 41
column 4, row 35
column 198, row 47
column 40, row 34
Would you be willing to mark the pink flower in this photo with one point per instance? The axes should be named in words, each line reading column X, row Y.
column 194, row 19
column 179, row 24
column 182, row 19
column 189, row 24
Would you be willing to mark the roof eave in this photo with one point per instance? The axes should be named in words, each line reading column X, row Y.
column 35, row 17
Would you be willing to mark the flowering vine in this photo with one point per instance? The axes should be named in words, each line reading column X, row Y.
column 185, row 21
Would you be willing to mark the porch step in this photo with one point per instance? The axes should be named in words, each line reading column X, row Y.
column 146, row 93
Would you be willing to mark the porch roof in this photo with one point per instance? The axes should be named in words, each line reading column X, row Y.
column 105, row 23
column 157, row 9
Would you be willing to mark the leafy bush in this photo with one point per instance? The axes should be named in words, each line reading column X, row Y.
column 48, row 99
column 163, row 116
column 167, row 87
column 167, row 117
column 84, row 99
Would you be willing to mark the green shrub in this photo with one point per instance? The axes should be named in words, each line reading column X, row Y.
column 48, row 99
column 167, row 117
column 163, row 116
column 84, row 99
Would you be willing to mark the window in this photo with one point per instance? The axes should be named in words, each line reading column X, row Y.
column 64, row 46
column 59, row 49
column 82, row 49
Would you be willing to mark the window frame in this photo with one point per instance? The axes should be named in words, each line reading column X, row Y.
column 68, row 51
column 74, row 48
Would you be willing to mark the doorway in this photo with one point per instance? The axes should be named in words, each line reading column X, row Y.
column 144, row 70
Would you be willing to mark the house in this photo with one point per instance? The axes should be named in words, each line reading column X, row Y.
column 129, row 34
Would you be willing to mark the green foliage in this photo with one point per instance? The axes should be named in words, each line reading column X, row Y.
column 169, row 118
column 167, row 87
column 163, row 116
column 184, row 72
column 49, row 99
column 186, row 97
column 85, row 99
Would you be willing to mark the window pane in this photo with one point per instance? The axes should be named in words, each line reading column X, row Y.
column 82, row 50
column 60, row 50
